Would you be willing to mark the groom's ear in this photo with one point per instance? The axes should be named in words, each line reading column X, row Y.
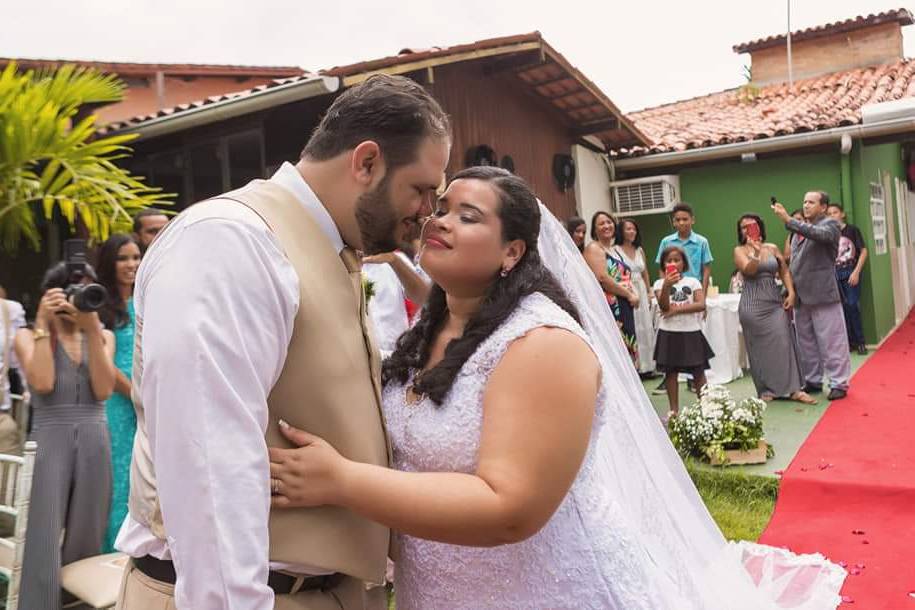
column 367, row 163
column 514, row 250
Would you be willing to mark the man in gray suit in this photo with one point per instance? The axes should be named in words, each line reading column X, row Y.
column 818, row 314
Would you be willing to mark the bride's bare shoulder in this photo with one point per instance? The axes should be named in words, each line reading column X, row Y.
column 548, row 350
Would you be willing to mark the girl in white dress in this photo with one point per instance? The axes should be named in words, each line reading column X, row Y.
column 527, row 472
column 629, row 245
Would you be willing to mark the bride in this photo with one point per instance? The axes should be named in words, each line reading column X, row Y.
column 530, row 470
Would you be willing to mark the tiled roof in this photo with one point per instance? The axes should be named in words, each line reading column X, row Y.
column 901, row 16
column 234, row 95
column 742, row 114
column 140, row 69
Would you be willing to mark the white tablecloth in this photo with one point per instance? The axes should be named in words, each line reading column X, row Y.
column 722, row 329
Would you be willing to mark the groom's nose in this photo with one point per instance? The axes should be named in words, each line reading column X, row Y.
column 426, row 205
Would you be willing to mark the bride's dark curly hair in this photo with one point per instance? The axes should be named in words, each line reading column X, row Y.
column 520, row 216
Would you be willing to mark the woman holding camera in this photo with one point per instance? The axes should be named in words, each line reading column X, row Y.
column 69, row 367
column 764, row 314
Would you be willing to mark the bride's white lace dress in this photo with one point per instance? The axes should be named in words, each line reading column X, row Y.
column 595, row 551
column 585, row 556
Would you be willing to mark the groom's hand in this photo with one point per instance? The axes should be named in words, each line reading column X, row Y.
column 309, row 475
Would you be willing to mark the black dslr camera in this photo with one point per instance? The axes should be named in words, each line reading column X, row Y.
column 85, row 297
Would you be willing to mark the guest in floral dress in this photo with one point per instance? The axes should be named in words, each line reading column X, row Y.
column 615, row 277
column 119, row 258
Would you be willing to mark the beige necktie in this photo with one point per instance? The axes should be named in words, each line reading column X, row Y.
column 354, row 265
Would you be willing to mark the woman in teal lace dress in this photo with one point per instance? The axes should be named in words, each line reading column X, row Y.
column 119, row 258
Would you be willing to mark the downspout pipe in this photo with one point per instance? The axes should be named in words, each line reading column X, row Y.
column 848, row 200
column 778, row 143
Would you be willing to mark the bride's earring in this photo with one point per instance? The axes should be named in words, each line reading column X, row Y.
column 504, row 272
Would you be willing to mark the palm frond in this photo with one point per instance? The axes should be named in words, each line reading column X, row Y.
column 48, row 162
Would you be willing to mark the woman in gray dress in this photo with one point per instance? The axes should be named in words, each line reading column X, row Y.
column 68, row 363
column 764, row 311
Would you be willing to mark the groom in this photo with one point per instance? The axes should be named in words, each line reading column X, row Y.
column 249, row 310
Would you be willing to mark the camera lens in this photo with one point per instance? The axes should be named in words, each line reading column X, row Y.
column 90, row 297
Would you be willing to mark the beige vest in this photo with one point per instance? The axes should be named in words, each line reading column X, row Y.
column 329, row 386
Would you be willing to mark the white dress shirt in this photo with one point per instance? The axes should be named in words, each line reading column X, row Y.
column 387, row 306
column 16, row 321
column 216, row 298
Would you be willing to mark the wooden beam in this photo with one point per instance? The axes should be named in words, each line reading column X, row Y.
column 552, row 81
column 413, row 66
column 514, row 64
column 568, row 109
column 595, row 127
column 593, row 148
column 565, row 94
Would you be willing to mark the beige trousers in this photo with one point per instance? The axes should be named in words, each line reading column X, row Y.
column 140, row 592
column 10, row 436
column 10, row 443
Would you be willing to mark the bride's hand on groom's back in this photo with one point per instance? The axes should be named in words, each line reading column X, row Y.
column 308, row 475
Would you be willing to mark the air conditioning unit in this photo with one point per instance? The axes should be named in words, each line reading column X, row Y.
column 652, row 195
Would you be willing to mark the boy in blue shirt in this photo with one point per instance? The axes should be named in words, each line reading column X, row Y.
column 697, row 251
column 696, row 246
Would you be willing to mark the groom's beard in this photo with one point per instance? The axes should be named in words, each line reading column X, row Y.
column 377, row 220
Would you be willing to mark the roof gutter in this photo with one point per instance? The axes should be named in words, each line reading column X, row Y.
column 798, row 140
column 227, row 109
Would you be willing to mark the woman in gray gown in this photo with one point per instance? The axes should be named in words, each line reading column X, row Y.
column 764, row 314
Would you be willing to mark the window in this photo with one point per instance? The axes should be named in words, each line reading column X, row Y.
column 203, row 168
column 206, row 170
column 878, row 217
column 246, row 157
column 166, row 170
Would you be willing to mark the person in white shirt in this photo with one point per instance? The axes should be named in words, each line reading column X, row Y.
column 395, row 279
column 680, row 346
column 217, row 301
column 12, row 318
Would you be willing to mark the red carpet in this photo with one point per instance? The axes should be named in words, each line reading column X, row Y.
column 850, row 491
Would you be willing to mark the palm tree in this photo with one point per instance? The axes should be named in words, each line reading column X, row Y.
column 51, row 157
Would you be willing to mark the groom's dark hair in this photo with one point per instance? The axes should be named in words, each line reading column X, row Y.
column 519, row 213
column 393, row 111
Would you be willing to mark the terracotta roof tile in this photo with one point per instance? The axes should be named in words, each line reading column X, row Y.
column 736, row 115
column 137, row 120
column 134, row 69
column 901, row 16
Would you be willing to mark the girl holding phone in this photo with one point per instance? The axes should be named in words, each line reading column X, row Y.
column 681, row 347
column 764, row 314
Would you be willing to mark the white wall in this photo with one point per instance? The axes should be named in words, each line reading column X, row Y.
column 592, row 183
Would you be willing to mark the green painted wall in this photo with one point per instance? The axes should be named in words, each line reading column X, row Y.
column 720, row 193
column 877, row 307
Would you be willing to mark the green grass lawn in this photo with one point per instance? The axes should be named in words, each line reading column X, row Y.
column 740, row 503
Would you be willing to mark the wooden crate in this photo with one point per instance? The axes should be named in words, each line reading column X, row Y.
column 734, row 457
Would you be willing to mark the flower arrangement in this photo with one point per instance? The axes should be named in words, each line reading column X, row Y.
column 368, row 288
column 716, row 423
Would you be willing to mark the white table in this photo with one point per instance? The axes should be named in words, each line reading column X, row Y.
column 722, row 329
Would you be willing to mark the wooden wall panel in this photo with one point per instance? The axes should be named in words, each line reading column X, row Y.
column 495, row 111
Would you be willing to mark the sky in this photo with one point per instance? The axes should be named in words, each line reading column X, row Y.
column 642, row 53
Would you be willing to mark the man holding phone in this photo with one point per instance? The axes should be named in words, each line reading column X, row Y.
column 818, row 316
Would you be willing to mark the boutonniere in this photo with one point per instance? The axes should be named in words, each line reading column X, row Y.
column 368, row 288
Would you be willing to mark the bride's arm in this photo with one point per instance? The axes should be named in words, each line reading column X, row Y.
column 536, row 425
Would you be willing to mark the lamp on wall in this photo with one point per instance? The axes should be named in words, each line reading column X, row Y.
column 563, row 171
column 480, row 155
